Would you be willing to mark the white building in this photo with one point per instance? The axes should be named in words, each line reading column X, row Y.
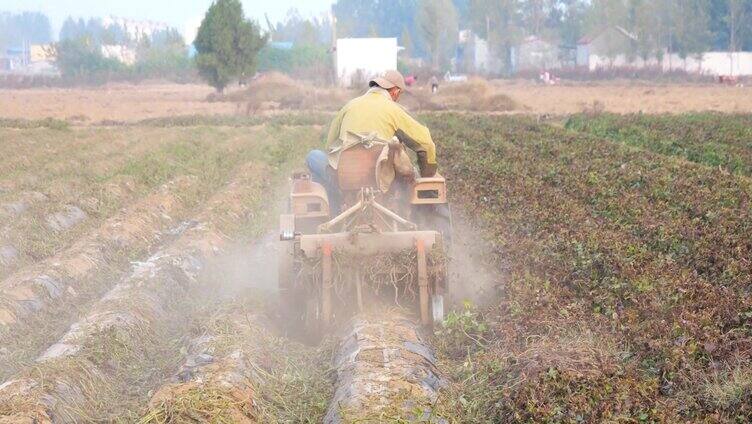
column 123, row 54
column 360, row 59
column 136, row 29
column 603, row 51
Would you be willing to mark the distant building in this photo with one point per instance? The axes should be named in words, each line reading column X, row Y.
column 136, row 29
column 14, row 58
column 30, row 59
column 41, row 53
column 604, row 45
column 123, row 54
column 605, row 50
column 360, row 59
column 535, row 54
column 474, row 55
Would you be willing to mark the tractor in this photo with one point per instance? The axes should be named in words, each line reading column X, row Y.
column 383, row 245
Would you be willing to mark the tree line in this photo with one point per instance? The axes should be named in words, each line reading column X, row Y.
column 428, row 28
column 20, row 29
column 231, row 46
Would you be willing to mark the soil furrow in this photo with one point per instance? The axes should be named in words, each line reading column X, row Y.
column 109, row 360
column 386, row 371
column 239, row 370
column 44, row 296
column 85, row 193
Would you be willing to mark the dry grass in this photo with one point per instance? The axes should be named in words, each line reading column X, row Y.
column 110, row 370
column 727, row 390
column 82, row 272
column 104, row 169
column 277, row 91
column 476, row 95
column 629, row 97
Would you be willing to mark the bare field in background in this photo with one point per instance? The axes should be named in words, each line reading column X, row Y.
column 126, row 102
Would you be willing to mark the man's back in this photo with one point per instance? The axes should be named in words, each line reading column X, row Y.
column 372, row 112
column 376, row 112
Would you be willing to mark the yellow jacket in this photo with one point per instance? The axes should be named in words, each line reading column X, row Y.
column 375, row 111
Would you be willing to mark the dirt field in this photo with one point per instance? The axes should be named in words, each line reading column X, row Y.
column 601, row 267
column 121, row 102
column 631, row 98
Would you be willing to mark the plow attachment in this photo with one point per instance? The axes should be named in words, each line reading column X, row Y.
column 356, row 260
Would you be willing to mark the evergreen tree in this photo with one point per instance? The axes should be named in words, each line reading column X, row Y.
column 227, row 44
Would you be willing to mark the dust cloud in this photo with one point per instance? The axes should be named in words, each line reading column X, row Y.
column 247, row 266
column 471, row 276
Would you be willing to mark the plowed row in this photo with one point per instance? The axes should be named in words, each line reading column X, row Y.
column 125, row 343
column 96, row 173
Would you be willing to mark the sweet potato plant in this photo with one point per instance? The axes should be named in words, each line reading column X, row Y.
column 629, row 297
column 717, row 140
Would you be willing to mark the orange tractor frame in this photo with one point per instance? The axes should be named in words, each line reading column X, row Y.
column 365, row 229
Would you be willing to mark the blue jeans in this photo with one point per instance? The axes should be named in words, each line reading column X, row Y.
column 318, row 164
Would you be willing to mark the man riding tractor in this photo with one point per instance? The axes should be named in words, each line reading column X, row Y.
column 376, row 113
column 364, row 225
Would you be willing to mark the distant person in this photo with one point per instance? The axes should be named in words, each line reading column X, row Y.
column 377, row 111
column 410, row 80
column 434, row 84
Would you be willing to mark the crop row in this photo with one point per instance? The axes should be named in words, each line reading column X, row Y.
column 129, row 339
column 126, row 338
column 239, row 370
column 715, row 140
column 89, row 184
column 630, row 275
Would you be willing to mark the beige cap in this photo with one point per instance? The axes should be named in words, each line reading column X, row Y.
column 389, row 79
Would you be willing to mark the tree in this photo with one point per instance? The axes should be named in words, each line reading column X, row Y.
column 72, row 29
column 227, row 44
column 737, row 23
column 437, row 22
column 80, row 59
column 534, row 15
column 500, row 22
column 692, row 27
column 571, row 20
column 355, row 18
column 407, row 42
column 17, row 30
column 307, row 32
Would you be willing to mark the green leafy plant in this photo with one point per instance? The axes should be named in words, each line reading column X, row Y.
column 463, row 331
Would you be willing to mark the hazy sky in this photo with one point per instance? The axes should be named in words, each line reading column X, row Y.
column 184, row 15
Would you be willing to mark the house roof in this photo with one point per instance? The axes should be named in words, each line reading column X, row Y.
column 589, row 38
column 534, row 39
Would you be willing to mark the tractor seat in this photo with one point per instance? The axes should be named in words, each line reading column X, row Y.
column 357, row 167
